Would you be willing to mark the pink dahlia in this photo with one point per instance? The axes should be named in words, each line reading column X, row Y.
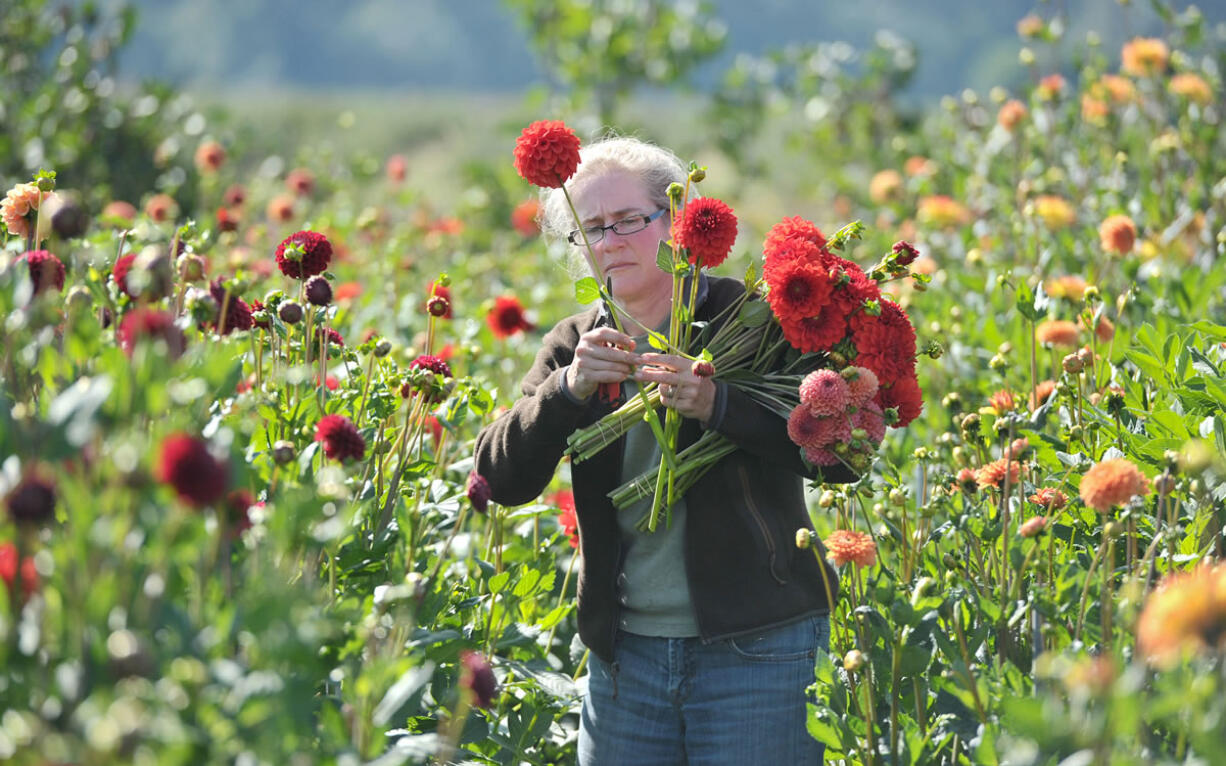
column 824, row 392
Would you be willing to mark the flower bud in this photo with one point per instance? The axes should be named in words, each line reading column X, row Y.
column 970, row 425
column 1091, row 295
column 383, row 348
column 859, row 462
column 698, row 175
column 998, row 363
column 290, row 312
column 934, row 350
column 1113, row 529
column 905, row 253
column 318, row 291
column 45, row 183
column 437, row 306
column 283, row 452
column 675, row 190
column 1086, row 357
column 1072, row 364
column 898, row 497
column 201, row 306
column 702, row 368
column 859, row 434
column 804, row 538
column 854, row 660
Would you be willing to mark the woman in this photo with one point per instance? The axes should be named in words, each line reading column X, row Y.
column 704, row 634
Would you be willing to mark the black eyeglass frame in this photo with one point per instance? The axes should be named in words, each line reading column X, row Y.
column 596, row 233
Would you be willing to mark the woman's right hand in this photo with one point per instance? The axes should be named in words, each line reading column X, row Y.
column 603, row 355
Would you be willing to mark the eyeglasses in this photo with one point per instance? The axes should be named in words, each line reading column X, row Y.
column 634, row 223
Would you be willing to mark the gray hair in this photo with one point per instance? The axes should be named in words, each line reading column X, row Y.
column 657, row 167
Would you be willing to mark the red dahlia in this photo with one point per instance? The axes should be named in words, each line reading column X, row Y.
column 886, row 343
column 154, row 325
column 507, row 317
column 433, row 364
column 788, row 252
column 547, row 153
column 187, row 465
column 236, row 311
column 304, row 254
column 340, row 437
column 905, row 395
column 8, row 570
column 119, row 273
column 790, row 229
column 564, row 499
column 707, row 229
column 334, row 337
column 477, row 676
column 477, row 489
column 798, row 290
column 46, row 271
column 816, row 333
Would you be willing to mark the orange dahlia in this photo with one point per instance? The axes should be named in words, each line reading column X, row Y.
column 1002, row 401
column 1050, row 87
column 547, row 153
column 523, row 218
column 1144, row 56
column 1033, row 527
column 849, row 545
column 1042, row 392
column 1112, row 482
column 1192, row 87
column 941, row 210
column 1119, row 90
column 1056, row 332
column 1187, row 612
column 1118, row 234
column 1070, row 286
column 1011, row 114
column 993, row 474
column 1049, row 498
column 884, row 186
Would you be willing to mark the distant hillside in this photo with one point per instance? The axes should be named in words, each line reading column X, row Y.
column 418, row 45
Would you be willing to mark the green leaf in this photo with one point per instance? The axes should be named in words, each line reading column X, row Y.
column 754, row 314
column 1025, row 303
column 499, row 581
column 664, row 258
column 587, row 290
column 657, row 341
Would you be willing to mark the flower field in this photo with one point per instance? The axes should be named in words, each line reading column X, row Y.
column 240, row 521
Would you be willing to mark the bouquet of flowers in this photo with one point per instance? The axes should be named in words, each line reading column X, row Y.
column 825, row 350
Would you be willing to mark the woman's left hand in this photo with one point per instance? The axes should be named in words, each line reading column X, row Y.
column 680, row 388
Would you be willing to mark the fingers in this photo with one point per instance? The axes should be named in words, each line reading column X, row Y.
column 680, row 388
column 603, row 355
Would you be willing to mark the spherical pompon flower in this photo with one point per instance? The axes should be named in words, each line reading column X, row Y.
column 1117, row 234
column 851, row 546
column 507, row 317
column 872, row 420
column 304, row 254
column 432, row 363
column 46, row 271
column 862, row 385
column 547, row 153
column 32, row 501
column 154, row 325
column 477, row 677
column 1111, row 483
column 996, row 473
column 186, row 464
column 707, row 230
column 341, row 439
column 820, row 456
column 824, row 392
column 804, row 428
column 798, row 290
column 1186, row 613
column 477, row 490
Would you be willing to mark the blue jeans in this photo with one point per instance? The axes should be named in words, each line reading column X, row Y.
column 680, row 701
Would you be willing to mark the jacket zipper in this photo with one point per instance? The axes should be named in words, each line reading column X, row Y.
column 766, row 534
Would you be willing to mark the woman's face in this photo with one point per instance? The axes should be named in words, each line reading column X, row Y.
column 628, row 259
